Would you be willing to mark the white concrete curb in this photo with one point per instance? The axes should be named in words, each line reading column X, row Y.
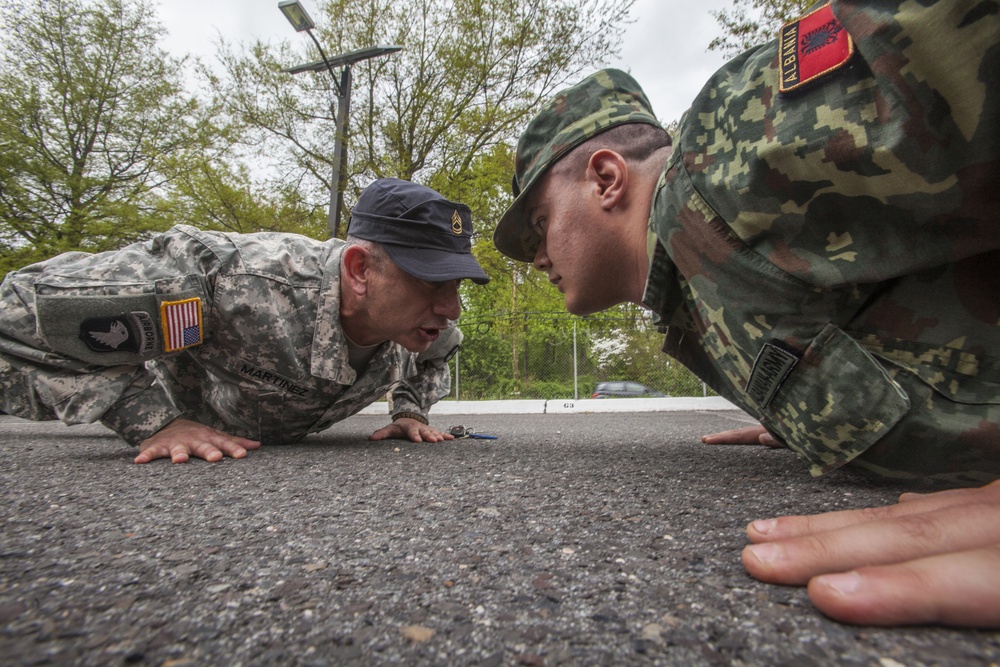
column 568, row 406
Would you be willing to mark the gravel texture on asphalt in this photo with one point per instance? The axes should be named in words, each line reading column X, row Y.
column 609, row 539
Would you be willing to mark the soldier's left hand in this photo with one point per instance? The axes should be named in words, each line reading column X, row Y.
column 410, row 429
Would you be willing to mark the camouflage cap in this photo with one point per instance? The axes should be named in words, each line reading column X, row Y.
column 603, row 100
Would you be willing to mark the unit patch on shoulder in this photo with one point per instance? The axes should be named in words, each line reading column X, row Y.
column 811, row 47
column 128, row 332
column 181, row 324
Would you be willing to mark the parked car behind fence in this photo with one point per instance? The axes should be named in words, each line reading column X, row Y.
column 624, row 390
column 555, row 355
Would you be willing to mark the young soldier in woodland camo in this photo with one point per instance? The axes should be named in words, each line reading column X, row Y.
column 821, row 245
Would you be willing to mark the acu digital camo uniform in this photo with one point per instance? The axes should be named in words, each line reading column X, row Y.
column 843, row 237
column 265, row 358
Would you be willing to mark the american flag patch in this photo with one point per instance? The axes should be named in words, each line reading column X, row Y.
column 181, row 324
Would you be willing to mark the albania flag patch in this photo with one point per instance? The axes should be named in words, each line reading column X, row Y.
column 811, row 47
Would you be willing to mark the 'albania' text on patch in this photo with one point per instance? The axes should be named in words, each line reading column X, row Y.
column 811, row 47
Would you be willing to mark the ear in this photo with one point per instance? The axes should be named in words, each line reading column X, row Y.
column 355, row 267
column 609, row 172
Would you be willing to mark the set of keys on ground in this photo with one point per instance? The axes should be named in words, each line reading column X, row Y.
column 462, row 432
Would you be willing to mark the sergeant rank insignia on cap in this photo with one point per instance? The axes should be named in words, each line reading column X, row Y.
column 456, row 223
column 811, row 47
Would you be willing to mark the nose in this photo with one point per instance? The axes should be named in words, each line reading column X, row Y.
column 448, row 303
column 541, row 261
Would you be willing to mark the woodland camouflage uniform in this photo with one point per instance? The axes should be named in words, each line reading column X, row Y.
column 824, row 238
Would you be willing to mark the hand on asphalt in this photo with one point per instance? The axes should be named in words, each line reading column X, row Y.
column 410, row 429
column 748, row 435
column 183, row 438
column 931, row 558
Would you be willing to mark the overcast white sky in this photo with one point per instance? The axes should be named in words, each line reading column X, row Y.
column 664, row 49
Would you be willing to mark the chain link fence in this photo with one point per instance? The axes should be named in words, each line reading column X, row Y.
column 557, row 356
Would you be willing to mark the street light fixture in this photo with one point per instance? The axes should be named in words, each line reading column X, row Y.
column 301, row 21
column 296, row 15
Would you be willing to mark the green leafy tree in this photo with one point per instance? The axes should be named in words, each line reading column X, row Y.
column 215, row 193
column 752, row 22
column 471, row 74
column 92, row 107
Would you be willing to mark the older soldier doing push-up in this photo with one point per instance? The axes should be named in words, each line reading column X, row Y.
column 208, row 344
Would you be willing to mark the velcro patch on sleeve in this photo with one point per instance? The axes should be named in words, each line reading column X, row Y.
column 99, row 328
column 182, row 324
column 772, row 366
column 811, row 47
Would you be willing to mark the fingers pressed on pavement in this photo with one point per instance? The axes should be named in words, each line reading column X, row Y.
column 891, row 540
column 748, row 435
column 769, row 530
column 786, row 527
column 179, row 453
column 953, row 589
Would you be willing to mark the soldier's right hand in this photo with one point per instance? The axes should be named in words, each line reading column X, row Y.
column 748, row 435
column 183, row 438
column 930, row 558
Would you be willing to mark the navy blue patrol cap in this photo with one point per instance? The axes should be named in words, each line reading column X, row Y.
column 426, row 235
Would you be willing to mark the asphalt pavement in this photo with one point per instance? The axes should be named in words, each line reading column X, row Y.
column 571, row 539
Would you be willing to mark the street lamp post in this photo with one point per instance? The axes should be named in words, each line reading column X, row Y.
column 301, row 21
